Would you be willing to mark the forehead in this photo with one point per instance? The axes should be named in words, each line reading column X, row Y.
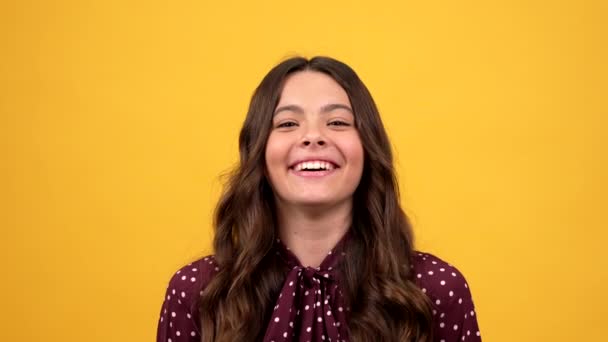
column 312, row 89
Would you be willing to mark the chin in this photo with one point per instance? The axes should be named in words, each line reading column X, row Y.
column 315, row 201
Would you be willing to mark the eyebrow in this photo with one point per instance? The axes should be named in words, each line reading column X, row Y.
column 325, row 109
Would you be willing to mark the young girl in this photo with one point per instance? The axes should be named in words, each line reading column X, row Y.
column 311, row 243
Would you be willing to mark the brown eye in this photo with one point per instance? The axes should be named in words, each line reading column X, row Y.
column 339, row 123
column 286, row 124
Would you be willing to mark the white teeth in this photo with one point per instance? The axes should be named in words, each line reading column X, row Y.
column 314, row 165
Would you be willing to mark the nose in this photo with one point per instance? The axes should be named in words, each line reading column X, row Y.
column 313, row 138
column 313, row 135
column 307, row 142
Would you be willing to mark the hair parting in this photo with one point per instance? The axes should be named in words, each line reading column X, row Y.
column 237, row 303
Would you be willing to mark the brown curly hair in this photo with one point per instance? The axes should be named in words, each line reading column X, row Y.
column 237, row 303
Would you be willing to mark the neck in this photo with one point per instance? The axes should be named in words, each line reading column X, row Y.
column 310, row 233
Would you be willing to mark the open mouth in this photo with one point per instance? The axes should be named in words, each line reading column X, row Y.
column 314, row 166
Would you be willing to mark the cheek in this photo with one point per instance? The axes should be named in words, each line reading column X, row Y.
column 275, row 154
column 353, row 148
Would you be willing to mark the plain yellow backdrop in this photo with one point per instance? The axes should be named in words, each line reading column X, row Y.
column 117, row 118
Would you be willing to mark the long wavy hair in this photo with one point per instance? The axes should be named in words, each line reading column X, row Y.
column 237, row 303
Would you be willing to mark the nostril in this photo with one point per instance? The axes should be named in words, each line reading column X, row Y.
column 321, row 143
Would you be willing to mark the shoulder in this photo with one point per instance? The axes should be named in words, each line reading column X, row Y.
column 189, row 280
column 455, row 316
column 442, row 282
column 179, row 314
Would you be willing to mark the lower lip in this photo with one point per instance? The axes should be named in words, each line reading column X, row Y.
column 312, row 174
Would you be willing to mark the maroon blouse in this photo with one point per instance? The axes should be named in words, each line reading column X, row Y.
column 310, row 306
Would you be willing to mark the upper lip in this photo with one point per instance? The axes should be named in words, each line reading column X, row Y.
column 325, row 159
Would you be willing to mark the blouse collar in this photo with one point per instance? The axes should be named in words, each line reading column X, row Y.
column 310, row 306
column 330, row 263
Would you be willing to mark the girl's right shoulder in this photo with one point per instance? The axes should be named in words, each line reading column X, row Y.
column 179, row 314
column 192, row 278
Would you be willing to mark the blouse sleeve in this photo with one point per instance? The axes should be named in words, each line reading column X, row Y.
column 454, row 315
column 179, row 317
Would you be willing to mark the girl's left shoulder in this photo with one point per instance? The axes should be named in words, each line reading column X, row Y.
column 454, row 314
column 442, row 282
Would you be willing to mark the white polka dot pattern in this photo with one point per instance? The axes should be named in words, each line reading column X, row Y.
column 316, row 290
column 454, row 315
column 179, row 317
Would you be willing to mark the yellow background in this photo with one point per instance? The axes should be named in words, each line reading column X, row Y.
column 117, row 118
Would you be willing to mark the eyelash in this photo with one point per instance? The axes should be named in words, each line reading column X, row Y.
column 333, row 123
column 286, row 124
column 339, row 123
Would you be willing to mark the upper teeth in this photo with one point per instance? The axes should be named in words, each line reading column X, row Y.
column 314, row 165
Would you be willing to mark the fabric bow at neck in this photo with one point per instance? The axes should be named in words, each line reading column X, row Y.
column 310, row 306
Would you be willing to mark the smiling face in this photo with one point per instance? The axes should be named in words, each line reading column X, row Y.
column 314, row 155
